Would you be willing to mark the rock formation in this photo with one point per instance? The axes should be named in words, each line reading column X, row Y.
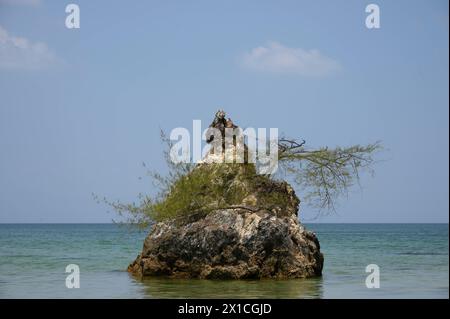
column 258, row 237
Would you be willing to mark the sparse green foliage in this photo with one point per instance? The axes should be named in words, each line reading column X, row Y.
column 189, row 190
column 185, row 192
column 325, row 174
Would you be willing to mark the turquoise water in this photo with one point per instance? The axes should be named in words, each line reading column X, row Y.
column 413, row 261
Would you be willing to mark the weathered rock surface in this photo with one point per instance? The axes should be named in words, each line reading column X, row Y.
column 231, row 244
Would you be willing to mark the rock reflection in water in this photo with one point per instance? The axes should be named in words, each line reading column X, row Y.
column 198, row 288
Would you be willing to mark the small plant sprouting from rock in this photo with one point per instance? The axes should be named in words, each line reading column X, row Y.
column 190, row 191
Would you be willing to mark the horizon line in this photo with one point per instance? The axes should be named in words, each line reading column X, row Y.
column 105, row 223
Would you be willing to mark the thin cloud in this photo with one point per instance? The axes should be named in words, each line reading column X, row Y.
column 21, row 53
column 277, row 58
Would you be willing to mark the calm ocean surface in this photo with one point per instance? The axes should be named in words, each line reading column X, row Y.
column 413, row 261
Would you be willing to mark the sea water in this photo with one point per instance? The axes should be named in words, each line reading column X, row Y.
column 412, row 260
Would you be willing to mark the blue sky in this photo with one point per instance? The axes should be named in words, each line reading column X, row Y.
column 81, row 109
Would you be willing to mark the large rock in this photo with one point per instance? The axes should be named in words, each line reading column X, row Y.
column 250, row 231
column 231, row 244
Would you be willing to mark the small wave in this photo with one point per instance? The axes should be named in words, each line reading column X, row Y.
column 23, row 256
column 118, row 270
column 424, row 254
